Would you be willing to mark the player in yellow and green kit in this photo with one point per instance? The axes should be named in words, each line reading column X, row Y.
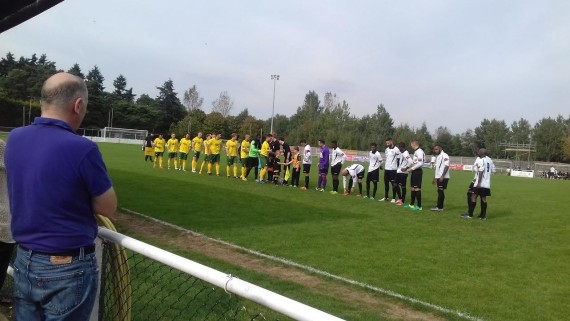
column 197, row 148
column 183, row 151
column 244, row 153
column 206, row 152
column 263, row 155
column 231, row 152
column 172, row 149
column 215, row 148
column 158, row 145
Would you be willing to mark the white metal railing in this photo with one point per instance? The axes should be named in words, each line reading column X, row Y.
column 230, row 284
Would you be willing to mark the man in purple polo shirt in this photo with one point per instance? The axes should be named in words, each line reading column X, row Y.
column 55, row 189
column 324, row 162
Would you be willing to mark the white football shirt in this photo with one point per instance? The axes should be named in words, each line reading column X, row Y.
column 441, row 161
column 392, row 158
column 406, row 161
column 337, row 157
column 307, row 159
column 485, row 166
column 375, row 161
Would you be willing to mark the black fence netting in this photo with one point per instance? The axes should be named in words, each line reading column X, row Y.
column 134, row 287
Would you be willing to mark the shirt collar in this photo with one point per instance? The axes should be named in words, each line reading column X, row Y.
column 52, row 122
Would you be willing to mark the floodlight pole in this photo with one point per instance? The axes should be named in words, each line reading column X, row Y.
column 274, row 78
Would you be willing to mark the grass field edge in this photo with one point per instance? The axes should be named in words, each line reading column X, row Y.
column 457, row 313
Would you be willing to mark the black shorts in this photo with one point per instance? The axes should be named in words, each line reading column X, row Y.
column 401, row 179
column 324, row 170
column 196, row 155
column 171, row 155
column 252, row 162
column 214, row 158
column 416, row 180
column 390, row 175
column 158, row 154
column 360, row 175
column 482, row 191
column 373, row 175
column 335, row 170
column 471, row 189
column 442, row 185
column 306, row 168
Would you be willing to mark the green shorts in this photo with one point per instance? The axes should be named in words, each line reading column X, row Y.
column 158, row 154
column 196, row 155
column 243, row 161
column 214, row 158
column 183, row 156
column 232, row 160
column 171, row 155
column 262, row 161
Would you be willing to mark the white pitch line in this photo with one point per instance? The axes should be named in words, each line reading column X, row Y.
column 390, row 293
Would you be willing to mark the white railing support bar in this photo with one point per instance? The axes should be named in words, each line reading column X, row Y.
column 271, row 300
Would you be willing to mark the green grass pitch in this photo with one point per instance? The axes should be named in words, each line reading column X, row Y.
column 514, row 266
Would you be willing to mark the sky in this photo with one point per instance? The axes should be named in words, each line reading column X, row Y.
column 443, row 62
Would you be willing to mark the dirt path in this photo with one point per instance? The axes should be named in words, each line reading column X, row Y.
column 156, row 233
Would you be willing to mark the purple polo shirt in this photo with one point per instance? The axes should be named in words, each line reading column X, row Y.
column 53, row 174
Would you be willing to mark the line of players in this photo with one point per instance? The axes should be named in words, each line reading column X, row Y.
column 266, row 155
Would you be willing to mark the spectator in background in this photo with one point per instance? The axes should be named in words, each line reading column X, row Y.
column 55, row 190
column 6, row 241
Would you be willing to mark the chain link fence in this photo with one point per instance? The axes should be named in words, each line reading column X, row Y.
column 134, row 287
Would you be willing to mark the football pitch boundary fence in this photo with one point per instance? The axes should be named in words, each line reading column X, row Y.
column 143, row 282
column 389, row 293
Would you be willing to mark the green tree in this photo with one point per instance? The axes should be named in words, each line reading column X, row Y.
column 216, row 123
column 170, row 108
column 7, row 64
column 121, row 92
column 76, row 70
column 99, row 110
column 423, row 136
column 547, row 135
column 521, row 131
column 403, row 134
column 491, row 134
column 444, row 138
column 469, row 143
column 566, row 148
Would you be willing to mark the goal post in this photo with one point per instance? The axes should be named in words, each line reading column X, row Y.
column 123, row 135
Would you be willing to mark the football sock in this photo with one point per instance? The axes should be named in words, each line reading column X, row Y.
column 202, row 167
column 413, row 197
column 350, row 185
column 243, row 170
column 483, row 209
column 228, row 170
column 184, row 164
column 209, row 168
column 154, row 163
column 235, row 170
column 306, row 181
column 375, row 189
column 360, row 187
column 319, row 181
column 404, row 191
column 398, row 192
column 175, row 163
column 440, row 198
column 324, row 186
column 335, row 184
column 419, row 198
column 367, row 188
column 194, row 163
column 386, row 188
column 160, row 162
column 262, row 175
column 217, row 169
column 472, row 208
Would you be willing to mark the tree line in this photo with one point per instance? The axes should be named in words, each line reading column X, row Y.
column 330, row 119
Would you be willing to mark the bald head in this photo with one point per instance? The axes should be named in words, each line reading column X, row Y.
column 62, row 89
column 64, row 97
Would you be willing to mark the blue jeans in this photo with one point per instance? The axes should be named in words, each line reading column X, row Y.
column 54, row 291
